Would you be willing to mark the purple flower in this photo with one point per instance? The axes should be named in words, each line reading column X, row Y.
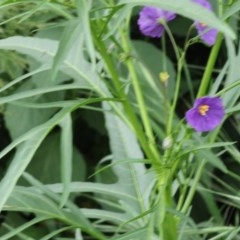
column 150, row 19
column 206, row 114
column 207, row 35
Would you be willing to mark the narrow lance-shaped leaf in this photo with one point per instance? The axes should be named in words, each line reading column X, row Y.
column 66, row 156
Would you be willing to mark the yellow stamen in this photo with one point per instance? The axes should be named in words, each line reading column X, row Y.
column 203, row 109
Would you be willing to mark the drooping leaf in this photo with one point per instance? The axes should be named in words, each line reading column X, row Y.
column 74, row 65
column 188, row 9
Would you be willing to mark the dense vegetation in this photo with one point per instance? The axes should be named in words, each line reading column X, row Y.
column 119, row 119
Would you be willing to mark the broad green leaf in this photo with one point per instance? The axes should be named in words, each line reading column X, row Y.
column 24, row 153
column 47, row 158
column 30, row 117
column 27, row 144
column 133, row 178
column 74, row 65
column 29, row 134
column 188, row 9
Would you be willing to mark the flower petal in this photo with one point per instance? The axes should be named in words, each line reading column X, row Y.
column 149, row 21
column 207, row 35
column 208, row 121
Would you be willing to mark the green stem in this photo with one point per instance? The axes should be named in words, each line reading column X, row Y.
column 176, row 93
column 192, row 191
column 220, row 8
column 132, row 120
column 167, row 224
column 178, row 81
column 164, row 62
column 198, row 175
column 140, row 100
column 209, row 68
column 172, row 40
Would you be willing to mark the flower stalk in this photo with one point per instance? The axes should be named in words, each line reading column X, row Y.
column 141, row 102
column 209, row 68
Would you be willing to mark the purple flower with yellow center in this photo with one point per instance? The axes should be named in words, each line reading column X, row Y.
column 206, row 114
column 151, row 20
column 207, row 35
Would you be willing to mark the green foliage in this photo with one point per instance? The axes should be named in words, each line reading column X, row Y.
column 97, row 142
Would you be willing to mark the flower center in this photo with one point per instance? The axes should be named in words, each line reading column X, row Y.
column 203, row 24
column 203, row 109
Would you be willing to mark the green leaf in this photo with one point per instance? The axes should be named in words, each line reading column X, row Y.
column 73, row 216
column 56, row 232
column 188, row 9
column 37, row 91
column 71, row 32
column 47, row 158
column 105, row 189
column 74, row 65
column 212, row 159
column 17, row 230
column 27, row 146
column 133, row 178
column 66, row 155
column 83, row 8
column 30, row 117
column 140, row 233
column 206, row 146
column 230, row 97
column 232, row 10
column 148, row 69
column 24, row 76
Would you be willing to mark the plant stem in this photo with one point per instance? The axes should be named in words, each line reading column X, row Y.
column 176, row 93
column 192, row 191
column 132, row 120
column 164, row 62
column 209, row 68
column 140, row 100
column 167, row 224
column 198, row 175
column 178, row 81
